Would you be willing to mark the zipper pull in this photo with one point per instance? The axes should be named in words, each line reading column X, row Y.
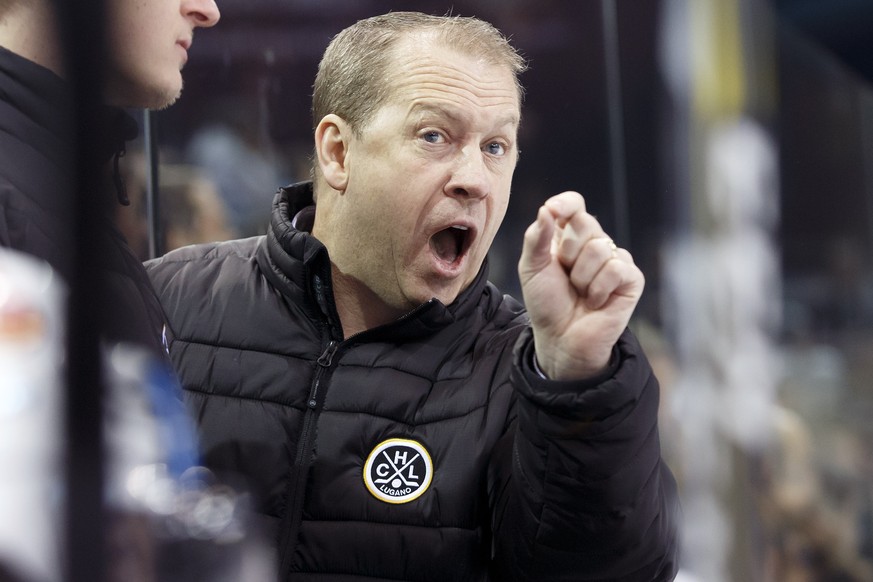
column 325, row 359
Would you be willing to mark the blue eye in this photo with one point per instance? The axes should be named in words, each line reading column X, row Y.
column 432, row 137
column 495, row 148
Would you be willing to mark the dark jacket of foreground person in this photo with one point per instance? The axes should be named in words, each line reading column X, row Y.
column 37, row 189
column 428, row 449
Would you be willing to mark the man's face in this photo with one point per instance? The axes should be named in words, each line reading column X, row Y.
column 149, row 42
column 429, row 178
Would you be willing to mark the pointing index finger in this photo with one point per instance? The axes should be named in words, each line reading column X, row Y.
column 565, row 205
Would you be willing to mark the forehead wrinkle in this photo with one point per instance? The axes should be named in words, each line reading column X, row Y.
column 485, row 96
column 442, row 75
column 449, row 68
column 459, row 90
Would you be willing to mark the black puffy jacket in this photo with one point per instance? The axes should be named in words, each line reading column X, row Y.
column 427, row 449
column 36, row 155
column 37, row 179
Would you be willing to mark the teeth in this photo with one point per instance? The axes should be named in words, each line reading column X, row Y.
column 459, row 227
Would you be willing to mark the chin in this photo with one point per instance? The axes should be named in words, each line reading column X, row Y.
column 154, row 96
column 163, row 97
column 165, row 102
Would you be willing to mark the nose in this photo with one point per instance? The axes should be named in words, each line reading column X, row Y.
column 203, row 13
column 470, row 177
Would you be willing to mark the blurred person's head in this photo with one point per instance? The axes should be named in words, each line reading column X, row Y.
column 147, row 42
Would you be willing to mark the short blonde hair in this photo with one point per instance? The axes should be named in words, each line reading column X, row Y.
column 353, row 79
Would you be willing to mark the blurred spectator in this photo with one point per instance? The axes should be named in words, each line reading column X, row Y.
column 245, row 172
column 811, row 505
column 834, row 299
column 191, row 209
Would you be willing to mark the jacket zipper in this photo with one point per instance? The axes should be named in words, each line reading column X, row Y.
column 324, row 362
column 294, row 514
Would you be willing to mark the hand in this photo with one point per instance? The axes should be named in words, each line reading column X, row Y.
column 579, row 289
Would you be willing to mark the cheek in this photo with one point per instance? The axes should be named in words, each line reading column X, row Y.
column 126, row 25
column 141, row 29
column 501, row 204
column 497, row 212
column 127, row 52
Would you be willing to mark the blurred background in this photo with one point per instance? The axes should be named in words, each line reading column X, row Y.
column 728, row 144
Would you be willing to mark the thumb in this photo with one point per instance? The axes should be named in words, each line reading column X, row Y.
column 536, row 253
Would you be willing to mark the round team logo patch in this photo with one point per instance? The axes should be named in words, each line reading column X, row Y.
column 398, row 471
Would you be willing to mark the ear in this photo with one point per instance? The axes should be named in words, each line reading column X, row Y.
column 332, row 136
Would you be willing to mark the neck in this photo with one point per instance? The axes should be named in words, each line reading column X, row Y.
column 359, row 308
column 29, row 30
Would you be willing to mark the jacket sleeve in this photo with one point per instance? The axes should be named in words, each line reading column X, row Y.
column 585, row 493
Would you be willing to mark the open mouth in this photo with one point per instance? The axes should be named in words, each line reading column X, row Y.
column 450, row 244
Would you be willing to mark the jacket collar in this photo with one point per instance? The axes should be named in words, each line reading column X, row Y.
column 300, row 265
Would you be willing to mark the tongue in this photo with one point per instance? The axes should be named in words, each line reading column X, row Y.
column 445, row 245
